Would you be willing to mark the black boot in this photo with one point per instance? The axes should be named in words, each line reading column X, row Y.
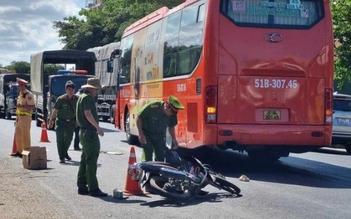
column 97, row 193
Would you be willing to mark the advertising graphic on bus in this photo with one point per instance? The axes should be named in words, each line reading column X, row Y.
column 253, row 75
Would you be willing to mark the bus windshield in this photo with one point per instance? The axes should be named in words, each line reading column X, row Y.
column 295, row 14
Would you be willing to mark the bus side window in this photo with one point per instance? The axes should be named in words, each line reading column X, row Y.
column 171, row 45
column 190, row 38
column 126, row 59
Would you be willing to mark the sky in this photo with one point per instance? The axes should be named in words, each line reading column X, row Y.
column 26, row 26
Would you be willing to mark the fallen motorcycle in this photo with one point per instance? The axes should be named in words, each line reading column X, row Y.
column 179, row 178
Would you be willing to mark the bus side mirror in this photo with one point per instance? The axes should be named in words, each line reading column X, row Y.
column 46, row 88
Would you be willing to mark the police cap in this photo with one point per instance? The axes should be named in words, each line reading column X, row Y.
column 175, row 103
column 70, row 84
column 22, row 81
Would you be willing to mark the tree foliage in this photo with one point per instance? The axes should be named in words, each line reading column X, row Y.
column 106, row 23
column 24, row 67
column 341, row 10
column 19, row 67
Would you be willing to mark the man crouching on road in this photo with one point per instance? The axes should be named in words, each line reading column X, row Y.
column 88, row 122
column 152, row 122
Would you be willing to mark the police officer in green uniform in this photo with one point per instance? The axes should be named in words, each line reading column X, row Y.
column 88, row 122
column 152, row 122
column 64, row 118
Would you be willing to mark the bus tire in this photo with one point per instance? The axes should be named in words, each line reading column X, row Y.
column 131, row 139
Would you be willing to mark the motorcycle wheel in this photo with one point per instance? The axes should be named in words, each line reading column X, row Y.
column 157, row 183
column 225, row 185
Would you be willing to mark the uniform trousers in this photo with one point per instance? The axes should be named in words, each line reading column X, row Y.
column 88, row 163
column 64, row 135
column 22, row 132
column 155, row 143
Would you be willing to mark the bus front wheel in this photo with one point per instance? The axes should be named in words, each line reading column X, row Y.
column 131, row 139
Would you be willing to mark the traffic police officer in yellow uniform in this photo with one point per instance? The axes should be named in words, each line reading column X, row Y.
column 65, row 114
column 152, row 122
column 25, row 106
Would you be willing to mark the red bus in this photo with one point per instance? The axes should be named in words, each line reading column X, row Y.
column 254, row 75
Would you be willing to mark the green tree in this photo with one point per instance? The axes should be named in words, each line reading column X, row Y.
column 19, row 67
column 341, row 10
column 105, row 24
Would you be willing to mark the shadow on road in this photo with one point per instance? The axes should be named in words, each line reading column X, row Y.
column 289, row 170
column 212, row 197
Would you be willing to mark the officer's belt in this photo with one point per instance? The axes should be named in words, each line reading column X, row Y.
column 20, row 113
column 87, row 129
column 68, row 120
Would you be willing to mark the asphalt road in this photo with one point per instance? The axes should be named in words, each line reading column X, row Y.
column 309, row 185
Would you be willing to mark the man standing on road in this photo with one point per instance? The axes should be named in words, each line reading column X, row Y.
column 25, row 106
column 64, row 118
column 152, row 122
column 88, row 122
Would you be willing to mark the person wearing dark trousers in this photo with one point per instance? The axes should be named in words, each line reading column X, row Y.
column 76, row 138
column 89, row 133
column 63, row 117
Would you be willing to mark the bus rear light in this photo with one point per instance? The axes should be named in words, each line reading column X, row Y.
column 211, row 104
column 328, row 105
column 211, row 110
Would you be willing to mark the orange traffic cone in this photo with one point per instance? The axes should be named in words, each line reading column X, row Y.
column 44, row 134
column 14, row 146
column 132, row 187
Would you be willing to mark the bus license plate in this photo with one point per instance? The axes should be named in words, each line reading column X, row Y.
column 271, row 115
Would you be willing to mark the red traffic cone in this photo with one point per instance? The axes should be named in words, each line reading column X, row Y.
column 14, row 146
column 132, row 187
column 44, row 134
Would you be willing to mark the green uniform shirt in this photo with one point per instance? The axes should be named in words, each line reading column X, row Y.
column 86, row 102
column 154, row 120
column 66, row 108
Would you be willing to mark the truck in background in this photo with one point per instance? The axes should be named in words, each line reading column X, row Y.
column 9, row 93
column 47, row 89
column 106, row 69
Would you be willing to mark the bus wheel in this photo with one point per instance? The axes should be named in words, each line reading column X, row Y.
column 131, row 139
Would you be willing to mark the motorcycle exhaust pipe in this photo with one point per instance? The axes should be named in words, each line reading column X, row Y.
column 166, row 172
